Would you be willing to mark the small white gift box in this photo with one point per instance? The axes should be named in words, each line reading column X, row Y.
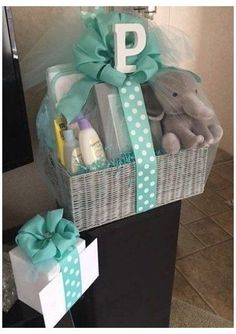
column 41, row 285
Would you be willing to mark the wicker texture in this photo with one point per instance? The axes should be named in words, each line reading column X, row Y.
column 100, row 197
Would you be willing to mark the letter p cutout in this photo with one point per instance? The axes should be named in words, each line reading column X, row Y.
column 121, row 52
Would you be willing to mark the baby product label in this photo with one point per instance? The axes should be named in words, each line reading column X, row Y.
column 97, row 150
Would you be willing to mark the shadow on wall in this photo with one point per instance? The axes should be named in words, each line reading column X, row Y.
column 214, row 61
column 43, row 40
column 24, row 191
column 38, row 42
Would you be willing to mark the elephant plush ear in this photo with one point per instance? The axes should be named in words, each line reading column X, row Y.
column 194, row 75
column 154, row 108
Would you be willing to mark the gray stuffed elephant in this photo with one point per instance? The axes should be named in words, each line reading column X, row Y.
column 188, row 121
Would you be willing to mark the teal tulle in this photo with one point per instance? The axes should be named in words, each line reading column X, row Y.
column 125, row 158
column 55, row 44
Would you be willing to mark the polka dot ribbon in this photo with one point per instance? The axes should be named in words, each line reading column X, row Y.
column 70, row 268
column 141, row 139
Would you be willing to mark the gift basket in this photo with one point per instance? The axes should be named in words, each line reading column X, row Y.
column 122, row 130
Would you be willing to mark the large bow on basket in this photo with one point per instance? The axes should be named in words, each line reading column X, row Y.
column 46, row 238
column 94, row 57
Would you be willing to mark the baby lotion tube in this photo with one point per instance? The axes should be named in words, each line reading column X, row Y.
column 75, row 127
column 90, row 144
column 59, row 127
column 72, row 153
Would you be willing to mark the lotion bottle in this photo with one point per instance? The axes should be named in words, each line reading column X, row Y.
column 75, row 127
column 59, row 127
column 90, row 144
column 72, row 153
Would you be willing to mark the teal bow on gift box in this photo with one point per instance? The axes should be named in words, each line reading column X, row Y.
column 53, row 237
column 46, row 238
column 94, row 57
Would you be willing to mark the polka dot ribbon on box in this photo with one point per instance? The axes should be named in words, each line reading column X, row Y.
column 141, row 139
column 70, row 268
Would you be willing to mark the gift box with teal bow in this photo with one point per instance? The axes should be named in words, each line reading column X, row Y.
column 135, row 182
column 52, row 266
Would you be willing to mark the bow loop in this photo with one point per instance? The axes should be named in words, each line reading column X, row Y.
column 111, row 76
column 34, row 226
column 46, row 238
column 146, row 68
column 52, row 219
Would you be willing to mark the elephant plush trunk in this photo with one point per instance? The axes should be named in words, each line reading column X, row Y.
column 195, row 108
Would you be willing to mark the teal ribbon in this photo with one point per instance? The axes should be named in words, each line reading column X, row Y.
column 54, row 237
column 94, row 57
column 71, row 274
column 141, row 139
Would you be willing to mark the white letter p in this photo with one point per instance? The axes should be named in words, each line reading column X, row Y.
column 121, row 52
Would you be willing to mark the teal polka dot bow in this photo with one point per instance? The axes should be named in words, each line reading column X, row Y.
column 94, row 57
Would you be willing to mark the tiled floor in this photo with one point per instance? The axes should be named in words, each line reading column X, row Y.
column 204, row 266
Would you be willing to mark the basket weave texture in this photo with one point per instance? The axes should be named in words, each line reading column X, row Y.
column 103, row 196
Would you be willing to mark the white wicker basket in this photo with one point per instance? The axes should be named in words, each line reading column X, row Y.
column 103, row 196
